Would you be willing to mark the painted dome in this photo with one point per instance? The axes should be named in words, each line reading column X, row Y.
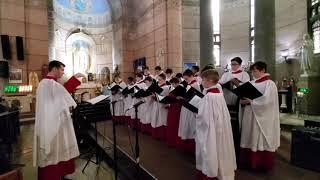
column 87, row 13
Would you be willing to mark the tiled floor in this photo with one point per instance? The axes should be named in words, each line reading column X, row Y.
column 283, row 170
column 23, row 155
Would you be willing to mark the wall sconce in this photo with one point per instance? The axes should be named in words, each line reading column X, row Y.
column 285, row 54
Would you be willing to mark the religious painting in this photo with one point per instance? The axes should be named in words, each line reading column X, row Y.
column 189, row 65
column 15, row 75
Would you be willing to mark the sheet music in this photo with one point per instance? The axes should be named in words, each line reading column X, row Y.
column 97, row 99
column 159, row 97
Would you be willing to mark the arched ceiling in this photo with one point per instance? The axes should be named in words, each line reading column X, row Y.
column 88, row 13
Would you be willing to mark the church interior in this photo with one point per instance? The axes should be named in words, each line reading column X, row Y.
column 101, row 40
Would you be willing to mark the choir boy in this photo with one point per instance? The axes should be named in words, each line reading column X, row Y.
column 260, row 133
column 187, row 118
column 157, row 71
column 237, row 77
column 215, row 155
column 169, row 75
column 116, row 87
column 141, row 109
column 128, row 99
column 151, row 109
column 146, row 72
column 173, row 117
column 195, row 70
column 159, row 126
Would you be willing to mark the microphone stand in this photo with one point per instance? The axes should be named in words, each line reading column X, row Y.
column 114, row 142
column 137, row 143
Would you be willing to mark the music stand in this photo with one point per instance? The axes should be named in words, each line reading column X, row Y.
column 85, row 114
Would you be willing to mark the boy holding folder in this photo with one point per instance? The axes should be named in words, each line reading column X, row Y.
column 215, row 155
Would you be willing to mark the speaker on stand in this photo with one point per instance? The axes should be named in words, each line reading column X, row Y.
column 6, row 48
column 20, row 49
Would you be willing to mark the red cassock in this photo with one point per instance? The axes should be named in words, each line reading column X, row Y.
column 260, row 160
column 173, row 124
column 57, row 171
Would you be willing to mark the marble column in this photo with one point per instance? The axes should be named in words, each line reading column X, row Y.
column 206, row 33
column 265, row 34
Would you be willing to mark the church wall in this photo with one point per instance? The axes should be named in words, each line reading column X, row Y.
column 291, row 24
column 235, row 18
column 191, row 31
column 30, row 21
column 157, row 36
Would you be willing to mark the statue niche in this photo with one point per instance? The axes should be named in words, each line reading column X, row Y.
column 81, row 57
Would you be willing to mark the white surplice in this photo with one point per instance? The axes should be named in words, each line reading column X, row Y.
column 142, row 107
column 260, row 122
column 54, row 136
column 118, row 97
column 230, row 97
column 162, row 111
column 187, row 122
column 215, row 155
column 128, row 102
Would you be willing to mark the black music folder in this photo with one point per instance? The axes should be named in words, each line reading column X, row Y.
column 184, row 83
column 154, row 88
column 247, row 90
column 179, row 91
column 192, row 92
column 140, row 93
column 166, row 99
column 116, row 88
column 128, row 90
column 230, row 85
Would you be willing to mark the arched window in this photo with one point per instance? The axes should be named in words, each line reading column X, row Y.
column 215, row 8
column 313, row 15
column 251, row 30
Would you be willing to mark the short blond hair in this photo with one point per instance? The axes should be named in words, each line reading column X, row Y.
column 211, row 75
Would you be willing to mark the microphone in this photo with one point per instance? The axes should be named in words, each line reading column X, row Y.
column 136, row 105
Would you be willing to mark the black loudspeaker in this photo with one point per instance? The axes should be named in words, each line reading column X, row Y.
column 305, row 148
column 6, row 49
column 20, row 50
column 4, row 69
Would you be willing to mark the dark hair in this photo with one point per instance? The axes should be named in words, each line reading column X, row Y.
column 55, row 64
column 187, row 72
column 130, row 79
column 196, row 68
column 207, row 67
column 157, row 68
column 259, row 65
column 163, row 76
column 179, row 75
column 140, row 75
column 146, row 68
column 237, row 59
column 169, row 71
column 174, row 80
column 148, row 79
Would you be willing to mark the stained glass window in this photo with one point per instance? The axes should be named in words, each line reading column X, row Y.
column 314, row 23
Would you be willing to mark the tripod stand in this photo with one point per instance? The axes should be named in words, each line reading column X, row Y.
column 85, row 114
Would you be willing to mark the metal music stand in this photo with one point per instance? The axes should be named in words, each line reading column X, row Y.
column 85, row 114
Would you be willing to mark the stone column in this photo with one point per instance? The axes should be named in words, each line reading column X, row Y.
column 174, row 35
column 265, row 34
column 206, row 33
